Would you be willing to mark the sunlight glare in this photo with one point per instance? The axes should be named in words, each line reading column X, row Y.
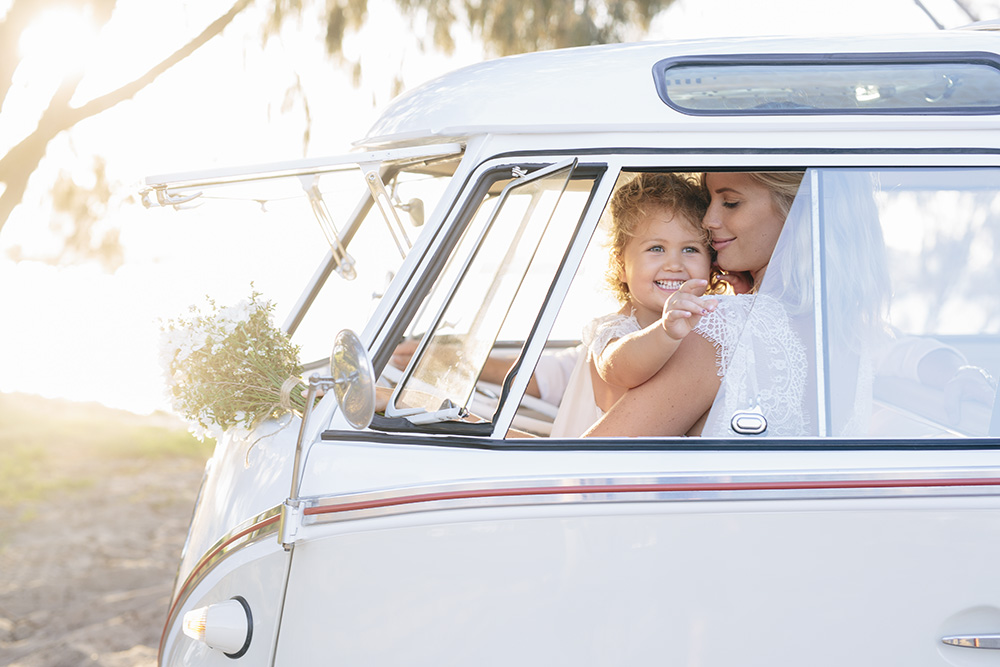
column 57, row 40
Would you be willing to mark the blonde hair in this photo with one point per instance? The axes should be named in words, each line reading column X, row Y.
column 681, row 194
column 783, row 185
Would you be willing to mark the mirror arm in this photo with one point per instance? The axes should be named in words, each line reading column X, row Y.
column 316, row 382
column 350, row 372
column 291, row 510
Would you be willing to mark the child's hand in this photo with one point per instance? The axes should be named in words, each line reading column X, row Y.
column 684, row 308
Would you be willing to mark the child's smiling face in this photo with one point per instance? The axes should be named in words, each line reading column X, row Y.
column 666, row 250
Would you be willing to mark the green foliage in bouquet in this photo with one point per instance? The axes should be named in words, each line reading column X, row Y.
column 230, row 367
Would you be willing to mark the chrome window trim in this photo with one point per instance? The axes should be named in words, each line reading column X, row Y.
column 819, row 288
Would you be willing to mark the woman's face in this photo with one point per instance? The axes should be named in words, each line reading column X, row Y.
column 743, row 221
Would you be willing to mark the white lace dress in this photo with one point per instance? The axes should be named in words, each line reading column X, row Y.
column 762, row 362
column 578, row 410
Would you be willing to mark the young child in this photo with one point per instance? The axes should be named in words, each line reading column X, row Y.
column 661, row 262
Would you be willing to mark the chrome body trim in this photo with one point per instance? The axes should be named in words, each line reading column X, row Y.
column 250, row 531
column 645, row 488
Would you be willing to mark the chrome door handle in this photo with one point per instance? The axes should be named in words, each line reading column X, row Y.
column 971, row 641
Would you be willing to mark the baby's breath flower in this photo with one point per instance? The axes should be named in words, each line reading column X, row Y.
column 224, row 368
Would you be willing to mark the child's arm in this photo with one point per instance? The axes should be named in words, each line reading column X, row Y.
column 631, row 360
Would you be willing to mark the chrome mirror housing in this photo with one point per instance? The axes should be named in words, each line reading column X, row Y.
column 353, row 379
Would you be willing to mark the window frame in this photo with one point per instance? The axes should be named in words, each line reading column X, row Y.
column 610, row 164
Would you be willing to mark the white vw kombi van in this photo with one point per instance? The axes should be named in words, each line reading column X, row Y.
column 401, row 522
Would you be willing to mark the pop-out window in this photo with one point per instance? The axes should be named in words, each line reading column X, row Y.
column 816, row 84
column 492, row 290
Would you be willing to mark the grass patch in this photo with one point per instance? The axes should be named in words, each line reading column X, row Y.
column 41, row 440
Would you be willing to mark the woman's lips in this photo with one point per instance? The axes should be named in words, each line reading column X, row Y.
column 719, row 244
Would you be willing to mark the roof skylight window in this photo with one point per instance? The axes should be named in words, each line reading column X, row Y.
column 824, row 84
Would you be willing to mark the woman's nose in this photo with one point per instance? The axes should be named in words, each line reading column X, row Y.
column 711, row 219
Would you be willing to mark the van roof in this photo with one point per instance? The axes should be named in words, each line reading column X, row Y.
column 611, row 87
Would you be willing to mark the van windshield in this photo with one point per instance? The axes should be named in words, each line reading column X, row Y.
column 376, row 241
column 355, row 215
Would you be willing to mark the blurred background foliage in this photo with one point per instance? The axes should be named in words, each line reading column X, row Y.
column 79, row 204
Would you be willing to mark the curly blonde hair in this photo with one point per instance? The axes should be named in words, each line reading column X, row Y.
column 682, row 194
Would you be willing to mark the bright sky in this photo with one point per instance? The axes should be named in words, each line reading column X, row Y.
column 78, row 333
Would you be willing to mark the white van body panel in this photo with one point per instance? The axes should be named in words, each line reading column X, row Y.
column 424, row 547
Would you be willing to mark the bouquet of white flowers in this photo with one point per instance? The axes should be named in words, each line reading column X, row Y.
column 230, row 366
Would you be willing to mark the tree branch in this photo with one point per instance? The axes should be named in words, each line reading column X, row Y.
column 22, row 160
column 105, row 102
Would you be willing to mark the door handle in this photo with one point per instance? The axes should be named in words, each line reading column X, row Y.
column 973, row 641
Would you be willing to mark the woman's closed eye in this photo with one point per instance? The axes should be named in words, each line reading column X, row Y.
column 730, row 204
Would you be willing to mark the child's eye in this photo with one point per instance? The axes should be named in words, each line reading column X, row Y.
column 656, row 248
column 692, row 249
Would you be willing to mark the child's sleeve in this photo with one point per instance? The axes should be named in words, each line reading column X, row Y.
column 600, row 332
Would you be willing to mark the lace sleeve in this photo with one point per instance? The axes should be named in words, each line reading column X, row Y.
column 722, row 328
column 601, row 331
column 762, row 362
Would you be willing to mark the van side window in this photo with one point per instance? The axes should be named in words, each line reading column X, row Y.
column 942, row 237
column 884, row 281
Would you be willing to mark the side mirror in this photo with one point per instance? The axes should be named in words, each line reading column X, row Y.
column 353, row 379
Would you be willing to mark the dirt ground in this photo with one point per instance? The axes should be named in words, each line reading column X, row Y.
column 86, row 569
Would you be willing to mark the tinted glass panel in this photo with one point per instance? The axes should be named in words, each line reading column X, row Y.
column 791, row 87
